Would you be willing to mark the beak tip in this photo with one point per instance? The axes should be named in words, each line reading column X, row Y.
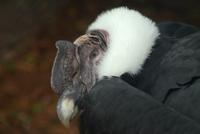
column 66, row 110
column 66, row 124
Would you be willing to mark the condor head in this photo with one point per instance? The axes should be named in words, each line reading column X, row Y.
column 75, row 70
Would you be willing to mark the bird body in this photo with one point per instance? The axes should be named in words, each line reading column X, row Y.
column 163, row 98
column 163, row 60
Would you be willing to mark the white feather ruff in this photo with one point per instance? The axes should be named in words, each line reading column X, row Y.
column 131, row 38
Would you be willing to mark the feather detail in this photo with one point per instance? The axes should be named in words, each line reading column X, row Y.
column 131, row 38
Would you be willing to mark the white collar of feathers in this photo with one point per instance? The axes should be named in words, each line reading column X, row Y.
column 131, row 38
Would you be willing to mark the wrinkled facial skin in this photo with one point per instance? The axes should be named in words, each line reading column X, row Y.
column 89, row 53
column 75, row 70
column 64, row 68
column 76, row 63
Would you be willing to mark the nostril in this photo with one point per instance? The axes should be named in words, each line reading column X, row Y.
column 74, row 74
column 78, row 101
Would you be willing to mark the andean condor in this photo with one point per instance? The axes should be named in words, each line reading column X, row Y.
column 118, row 41
column 123, row 43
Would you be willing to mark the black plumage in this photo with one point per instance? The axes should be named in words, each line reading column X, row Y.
column 163, row 98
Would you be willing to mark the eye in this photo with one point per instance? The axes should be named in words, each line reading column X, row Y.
column 95, row 40
column 94, row 54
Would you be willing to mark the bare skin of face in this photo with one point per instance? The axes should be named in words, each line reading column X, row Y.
column 75, row 70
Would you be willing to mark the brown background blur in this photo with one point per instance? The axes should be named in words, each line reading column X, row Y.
column 28, row 31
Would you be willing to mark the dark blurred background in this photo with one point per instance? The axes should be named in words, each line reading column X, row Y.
column 28, row 31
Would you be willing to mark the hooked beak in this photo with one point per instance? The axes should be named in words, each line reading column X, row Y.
column 67, row 106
